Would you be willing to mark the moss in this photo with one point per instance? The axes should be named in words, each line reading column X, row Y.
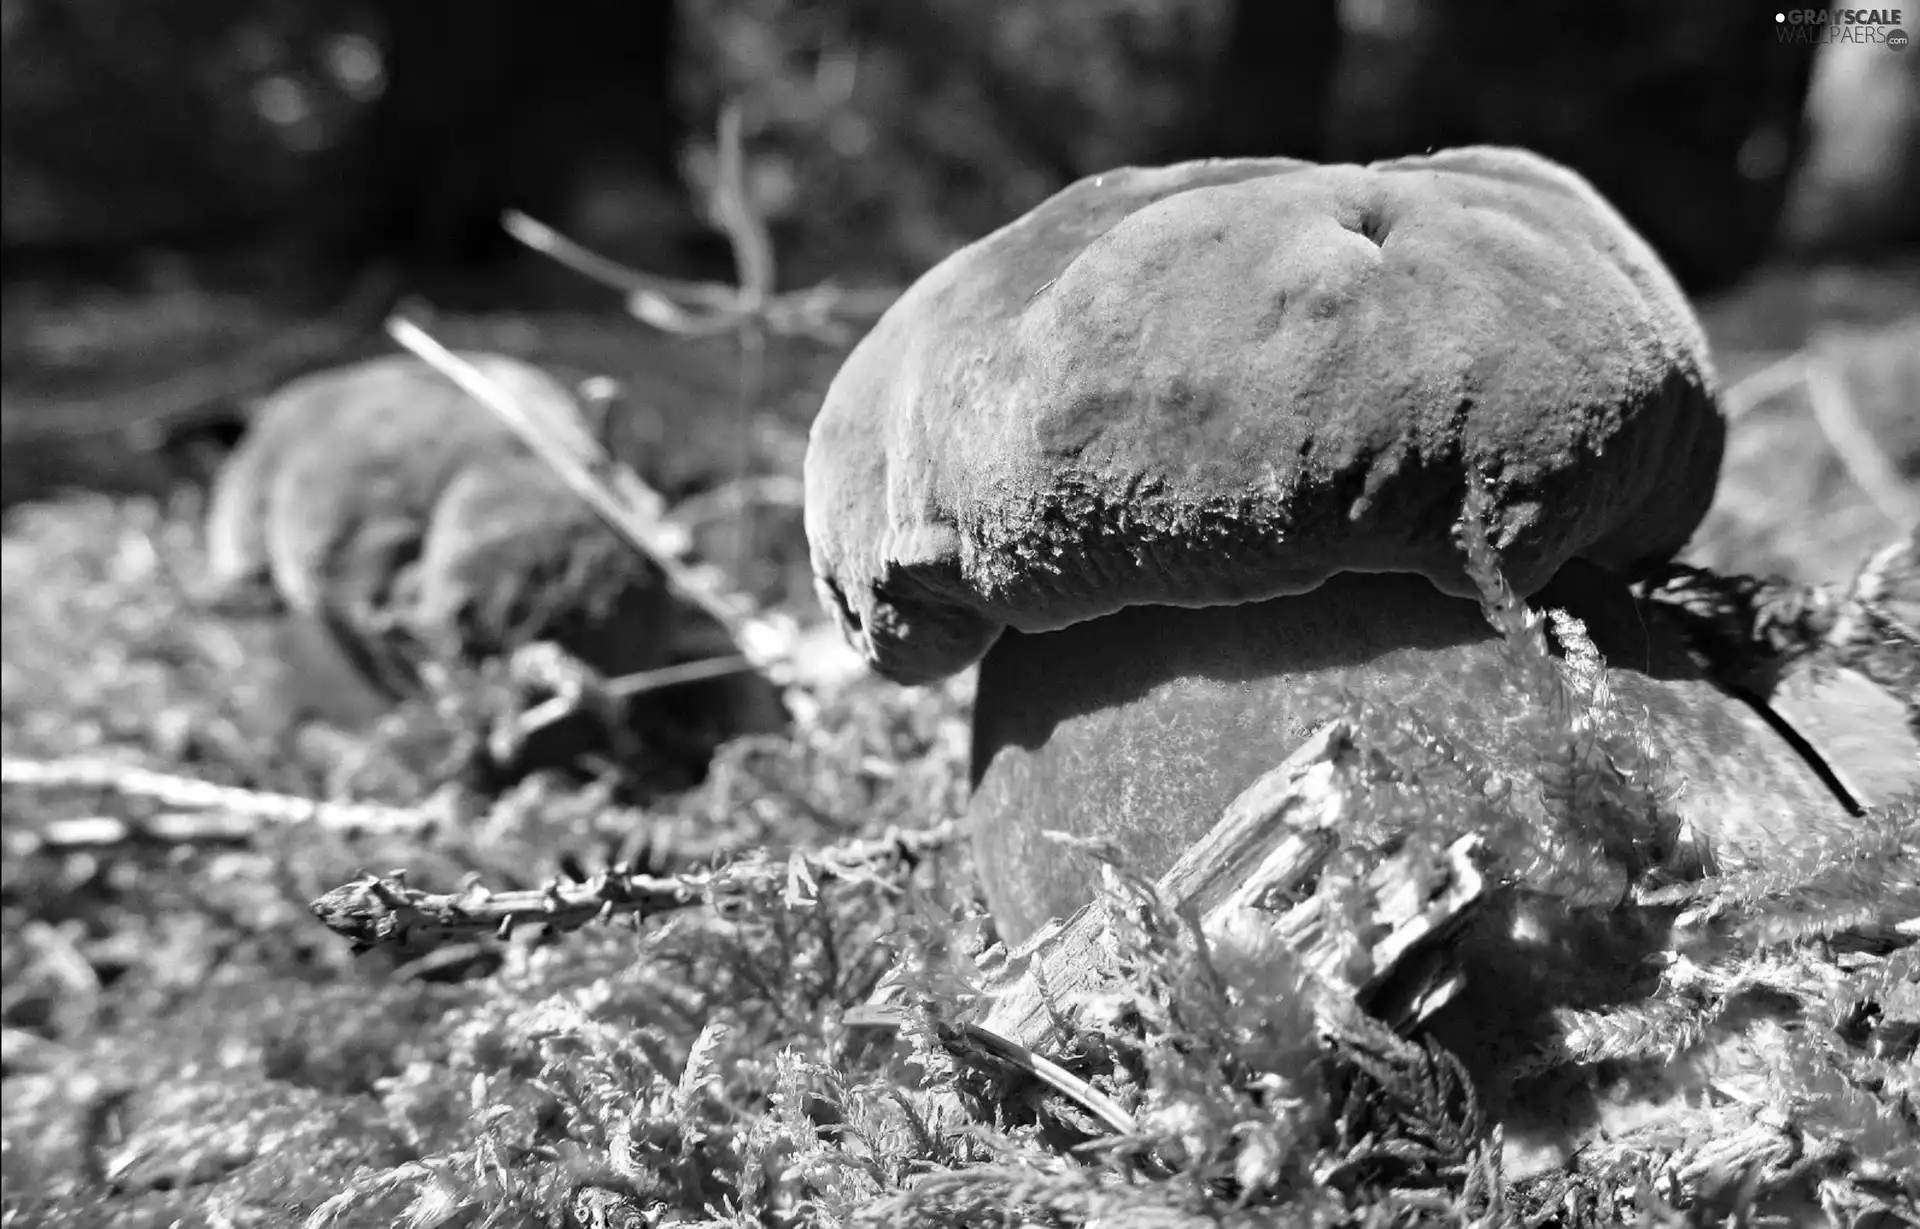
column 184, row 1043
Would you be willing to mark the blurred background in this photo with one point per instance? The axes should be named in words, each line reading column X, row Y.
column 193, row 190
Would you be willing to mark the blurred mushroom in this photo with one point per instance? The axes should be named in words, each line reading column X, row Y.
column 1177, row 455
column 377, row 506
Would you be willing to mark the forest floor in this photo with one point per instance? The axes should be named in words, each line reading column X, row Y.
column 184, row 1044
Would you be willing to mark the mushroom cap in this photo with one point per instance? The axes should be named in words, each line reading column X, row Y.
column 1226, row 381
column 382, row 491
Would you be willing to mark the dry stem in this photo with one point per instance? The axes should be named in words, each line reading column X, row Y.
column 1853, row 442
column 632, row 508
column 189, row 793
column 386, row 913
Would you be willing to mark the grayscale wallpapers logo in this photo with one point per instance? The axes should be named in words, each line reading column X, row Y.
column 1816, row 26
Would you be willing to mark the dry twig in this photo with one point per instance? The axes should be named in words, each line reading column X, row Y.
column 386, row 913
column 751, row 310
column 191, row 794
column 1853, row 442
column 632, row 508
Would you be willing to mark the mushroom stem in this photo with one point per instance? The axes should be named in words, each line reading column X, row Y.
column 1138, row 728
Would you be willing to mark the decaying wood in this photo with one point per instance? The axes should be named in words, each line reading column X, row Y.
column 1254, row 877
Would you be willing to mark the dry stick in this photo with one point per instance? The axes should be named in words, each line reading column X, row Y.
column 591, row 265
column 96, row 832
column 755, row 271
column 189, row 793
column 751, row 310
column 705, row 309
column 637, row 512
column 386, row 913
column 1756, row 388
column 1865, row 461
column 627, row 686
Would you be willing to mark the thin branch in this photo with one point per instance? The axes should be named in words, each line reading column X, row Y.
column 634, row 509
column 1865, row 461
column 627, row 686
column 711, row 309
column 386, row 913
column 733, row 209
column 97, row 832
column 557, row 247
column 1756, row 388
column 189, row 793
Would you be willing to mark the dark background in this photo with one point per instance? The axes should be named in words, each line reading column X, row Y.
column 185, row 183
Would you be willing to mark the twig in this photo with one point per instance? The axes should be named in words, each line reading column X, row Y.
column 635, row 510
column 753, row 259
column 1759, row 387
column 754, row 270
column 646, row 681
column 1865, row 461
column 555, row 246
column 189, row 793
column 709, row 309
column 95, row 832
column 386, row 913
column 627, row 686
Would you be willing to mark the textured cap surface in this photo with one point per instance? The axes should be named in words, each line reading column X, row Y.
column 1226, row 381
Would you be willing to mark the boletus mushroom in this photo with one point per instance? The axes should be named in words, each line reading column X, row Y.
column 1178, row 456
column 376, row 509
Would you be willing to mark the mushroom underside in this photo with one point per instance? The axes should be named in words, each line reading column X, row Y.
column 1139, row 728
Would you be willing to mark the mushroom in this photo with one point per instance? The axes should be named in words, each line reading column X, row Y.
column 379, row 497
column 1176, row 458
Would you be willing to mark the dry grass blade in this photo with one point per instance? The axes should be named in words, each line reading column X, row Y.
column 386, row 913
